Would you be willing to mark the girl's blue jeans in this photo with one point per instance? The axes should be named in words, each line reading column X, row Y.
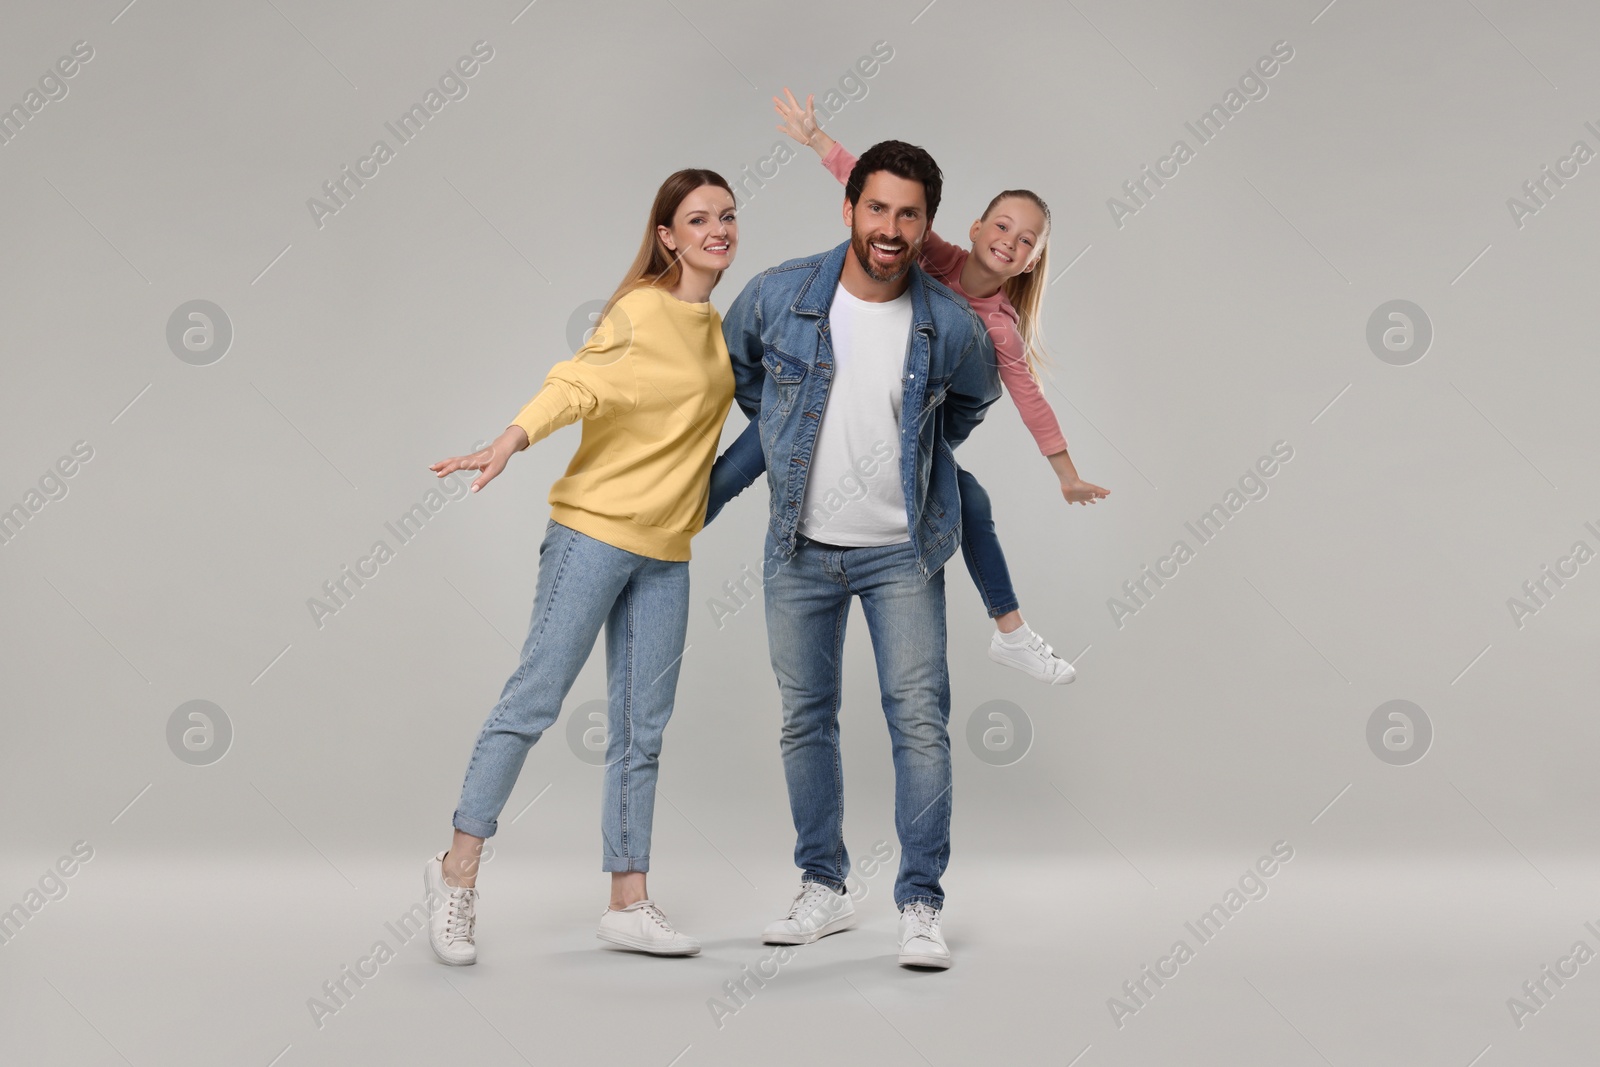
column 980, row 546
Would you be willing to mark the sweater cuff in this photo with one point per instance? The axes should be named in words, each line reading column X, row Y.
column 542, row 415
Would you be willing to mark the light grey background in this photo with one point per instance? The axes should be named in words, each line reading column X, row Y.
column 1231, row 712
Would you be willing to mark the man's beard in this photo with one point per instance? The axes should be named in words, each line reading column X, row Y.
column 863, row 253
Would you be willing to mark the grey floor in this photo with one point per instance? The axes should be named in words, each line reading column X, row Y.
column 1242, row 307
column 1344, row 961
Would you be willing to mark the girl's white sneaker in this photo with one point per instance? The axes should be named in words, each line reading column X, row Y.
column 1029, row 653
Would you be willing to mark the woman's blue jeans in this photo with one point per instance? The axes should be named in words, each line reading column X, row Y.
column 643, row 604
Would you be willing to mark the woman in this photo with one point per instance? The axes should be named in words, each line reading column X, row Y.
column 1002, row 277
column 652, row 386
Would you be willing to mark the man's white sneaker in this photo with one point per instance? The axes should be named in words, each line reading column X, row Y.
column 817, row 911
column 921, row 943
column 450, row 926
column 1030, row 654
column 643, row 926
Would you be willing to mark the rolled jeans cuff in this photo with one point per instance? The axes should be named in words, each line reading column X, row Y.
column 1003, row 608
column 476, row 827
column 837, row 887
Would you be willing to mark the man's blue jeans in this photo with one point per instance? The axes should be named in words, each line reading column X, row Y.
column 644, row 606
column 744, row 461
column 807, row 603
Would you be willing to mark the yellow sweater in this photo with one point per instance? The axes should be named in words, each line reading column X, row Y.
column 652, row 386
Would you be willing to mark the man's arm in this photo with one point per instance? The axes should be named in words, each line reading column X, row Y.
column 741, row 330
column 736, row 469
column 744, row 460
column 974, row 385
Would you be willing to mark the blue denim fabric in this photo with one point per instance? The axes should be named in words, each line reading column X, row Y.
column 777, row 332
column 740, row 464
column 980, row 545
column 644, row 605
column 743, row 462
column 808, row 602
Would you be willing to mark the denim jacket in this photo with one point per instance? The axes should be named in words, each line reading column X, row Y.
column 777, row 332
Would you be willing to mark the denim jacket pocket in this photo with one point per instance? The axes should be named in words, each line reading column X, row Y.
column 782, row 366
column 787, row 373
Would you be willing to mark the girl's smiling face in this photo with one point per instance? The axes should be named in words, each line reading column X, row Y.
column 1008, row 240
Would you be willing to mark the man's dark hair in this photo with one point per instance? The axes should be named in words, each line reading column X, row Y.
column 903, row 160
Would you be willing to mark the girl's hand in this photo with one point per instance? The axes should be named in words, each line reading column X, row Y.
column 491, row 461
column 801, row 123
column 1078, row 491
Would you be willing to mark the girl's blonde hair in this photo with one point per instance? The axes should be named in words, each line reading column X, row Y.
column 1026, row 291
column 656, row 265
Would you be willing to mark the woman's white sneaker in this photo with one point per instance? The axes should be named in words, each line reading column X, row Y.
column 921, row 942
column 1030, row 654
column 450, row 925
column 816, row 912
column 643, row 926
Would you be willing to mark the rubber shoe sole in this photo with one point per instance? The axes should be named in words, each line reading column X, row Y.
column 917, row 959
column 641, row 945
column 834, row 926
column 1060, row 679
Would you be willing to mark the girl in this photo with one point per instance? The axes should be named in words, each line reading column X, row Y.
column 653, row 386
column 1003, row 277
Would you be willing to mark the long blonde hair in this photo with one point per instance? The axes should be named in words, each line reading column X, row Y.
column 656, row 265
column 1026, row 291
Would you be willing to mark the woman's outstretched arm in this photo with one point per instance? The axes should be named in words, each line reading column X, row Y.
column 584, row 386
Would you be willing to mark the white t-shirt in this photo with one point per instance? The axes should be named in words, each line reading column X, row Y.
column 853, row 495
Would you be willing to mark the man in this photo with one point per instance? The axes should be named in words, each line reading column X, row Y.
column 860, row 373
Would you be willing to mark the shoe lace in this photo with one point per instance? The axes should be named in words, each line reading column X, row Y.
column 807, row 898
column 462, row 914
column 649, row 908
column 924, row 919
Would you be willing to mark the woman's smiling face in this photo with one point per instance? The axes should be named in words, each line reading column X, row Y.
column 705, row 230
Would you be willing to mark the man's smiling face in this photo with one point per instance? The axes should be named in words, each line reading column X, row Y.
column 888, row 224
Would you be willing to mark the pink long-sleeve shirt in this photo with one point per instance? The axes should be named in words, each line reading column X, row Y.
column 944, row 261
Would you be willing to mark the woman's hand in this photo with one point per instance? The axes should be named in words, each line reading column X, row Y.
column 1078, row 491
column 801, row 123
column 491, row 461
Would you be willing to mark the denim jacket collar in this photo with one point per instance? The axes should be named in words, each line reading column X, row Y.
column 816, row 292
column 779, row 344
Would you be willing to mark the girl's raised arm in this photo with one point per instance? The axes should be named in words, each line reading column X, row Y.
column 939, row 257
